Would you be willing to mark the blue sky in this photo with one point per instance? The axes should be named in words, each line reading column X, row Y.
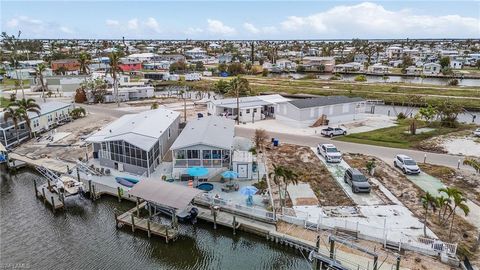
column 242, row 20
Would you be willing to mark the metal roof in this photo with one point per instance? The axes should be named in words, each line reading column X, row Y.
column 323, row 101
column 249, row 102
column 164, row 193
column 141, row 129
column 211, row 130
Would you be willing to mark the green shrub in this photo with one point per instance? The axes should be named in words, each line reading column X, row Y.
column 360, row 78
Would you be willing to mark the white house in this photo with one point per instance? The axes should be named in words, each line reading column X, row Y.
column 206, row 142
column 378, row 68
column 455, row 64
column 136, row 143
column 432, row 68
column 305, row 112
column 196, row 53
column 193, row 77
column 51, row 114
column 349, row 67
column 143, row 57
column 251, row 108
column 394, row 52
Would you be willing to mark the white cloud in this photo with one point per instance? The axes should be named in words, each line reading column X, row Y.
column 153, row 25
column 132, row 24
column 217, row 27
column 112, row 22
column 193, row 31
column 251, row 28
column 66, row 30
column 370, row 20
column 35, row 28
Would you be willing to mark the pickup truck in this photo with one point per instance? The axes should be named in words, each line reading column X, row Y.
column 329, row 152
column 330, row 131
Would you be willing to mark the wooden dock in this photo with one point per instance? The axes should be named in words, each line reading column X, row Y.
column 130, row 218
column 49, row 197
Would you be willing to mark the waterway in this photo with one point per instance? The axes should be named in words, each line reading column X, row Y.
column 84, row 237
column 391, row 79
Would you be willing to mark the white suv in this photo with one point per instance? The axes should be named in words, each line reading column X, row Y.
column 329, row 152
column 406, row 164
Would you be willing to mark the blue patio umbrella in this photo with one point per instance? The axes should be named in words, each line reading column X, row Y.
column 197, row 171
column 230, row 174
column 249, row 191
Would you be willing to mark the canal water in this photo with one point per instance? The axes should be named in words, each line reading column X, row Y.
column 85, row 237
column 468, row 82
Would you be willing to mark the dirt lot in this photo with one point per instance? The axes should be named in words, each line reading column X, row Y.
column 409, row 259
column 68, row 148
column 310, row 170
column 467, row 182
column 409, row 194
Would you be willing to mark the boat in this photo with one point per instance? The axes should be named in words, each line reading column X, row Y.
column 188, row 215
column 122, row 181
column 129, row 179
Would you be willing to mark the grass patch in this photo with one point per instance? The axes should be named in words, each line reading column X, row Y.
column 4, row 102
column 397, row 136
column 11, row 82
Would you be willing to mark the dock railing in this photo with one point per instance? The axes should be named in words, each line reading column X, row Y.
column 248, row 211
column 368, row 232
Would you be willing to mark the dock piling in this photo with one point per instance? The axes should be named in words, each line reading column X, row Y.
column 148, row 228
column 166, row 235
column 53, row 203
column 35, row 185
column 317, row 263
column 214, row 219
column 94, row 196
column 90, row 188
column 44, row 197
column 119, row 193
column 138, row 208
column 234, row 225
column 49, row 185
column 133, row 222
column 78, row 175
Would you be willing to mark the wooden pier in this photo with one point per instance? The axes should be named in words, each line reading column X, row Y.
column 52, row 198
column 131, row 218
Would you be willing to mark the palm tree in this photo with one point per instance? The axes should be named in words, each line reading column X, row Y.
column 239, row 87
column 12, row 113
column 290, row 177
column 114, row 69
column 24, row 106
column 472, row 163
column 443, row 202
column 39, row 73
column 84, row 60
column 277, row 175
column 459, row 202
column 450, row 192
column 428, row 201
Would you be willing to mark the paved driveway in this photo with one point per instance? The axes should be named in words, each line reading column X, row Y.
column 384, row 153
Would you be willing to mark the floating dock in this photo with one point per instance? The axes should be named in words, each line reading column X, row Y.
column 52, row 198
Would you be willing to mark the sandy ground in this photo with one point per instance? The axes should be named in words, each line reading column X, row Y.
column 460, row 143
column 67, row 143
column 370, row 122
column 310, row 170
column 409, row 194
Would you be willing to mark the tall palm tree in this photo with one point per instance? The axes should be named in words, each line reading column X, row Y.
column 451, row 193
column 39, row 73
column 277, row 175
column 114, row 70
column 428, row 201
column 443, row 203
column 84, row 60
column 459, row 202
column 12, row 113
column 290, row 177
column 239, row 87
column 24, row 106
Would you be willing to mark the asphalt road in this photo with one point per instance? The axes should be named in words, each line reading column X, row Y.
column 384, row 153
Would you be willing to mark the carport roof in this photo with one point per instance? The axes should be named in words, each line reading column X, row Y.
column 164, row 193
column 323, row 101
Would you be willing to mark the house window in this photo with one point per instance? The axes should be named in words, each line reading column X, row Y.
column 180, row 154
column 254, row 110
column 248, row 111
column 193, row 154
column 207, row 154
column 216, row 154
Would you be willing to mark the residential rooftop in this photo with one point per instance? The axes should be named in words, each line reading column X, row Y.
column 323, row 101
